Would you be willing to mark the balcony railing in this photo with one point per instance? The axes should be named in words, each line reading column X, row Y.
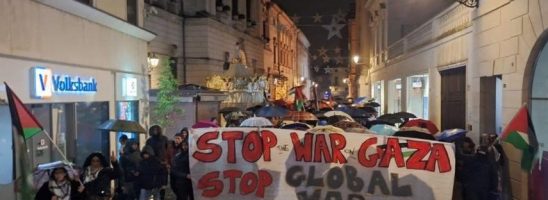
column 454, row 19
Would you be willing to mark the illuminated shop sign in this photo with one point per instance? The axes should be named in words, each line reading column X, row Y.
column 129, row 87
column 46, row 83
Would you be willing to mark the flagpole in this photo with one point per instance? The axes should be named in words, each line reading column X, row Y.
column 60, row 152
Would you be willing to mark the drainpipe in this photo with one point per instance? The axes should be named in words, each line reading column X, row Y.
column 184, row 41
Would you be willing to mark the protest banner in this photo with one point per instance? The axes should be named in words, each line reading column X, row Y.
column 251, row 163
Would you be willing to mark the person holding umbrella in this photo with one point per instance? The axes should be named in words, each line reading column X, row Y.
column 61, row 187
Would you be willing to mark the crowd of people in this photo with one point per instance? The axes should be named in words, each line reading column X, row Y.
column 138, row 174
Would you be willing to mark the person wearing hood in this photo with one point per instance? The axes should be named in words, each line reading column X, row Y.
column 98, row 174
column 180, row 174
column 129, row 163
column 159, row 144
column 151, row 175
column 60, row 187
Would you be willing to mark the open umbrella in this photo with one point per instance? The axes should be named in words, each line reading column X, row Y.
column 354, row 112
column 256, row 122
column 360, row 100
column 325, row 129
column 337, row 118
column 415, row 133
column 349, row 126
column 372, row 104
column 271, row 111
column 227, row 110
column 118, row 125
column 451, row 135
column 338, row 113
column 205, row 124
column 404, row 115
column 42, row 173
column 369, row 109
column 384, row 129
column 392, row 118
column 297, row 126
column 254, row 108
column 432, row 128
column 375, row 122
column 300, row 116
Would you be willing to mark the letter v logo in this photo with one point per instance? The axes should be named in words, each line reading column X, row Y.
column 43, row 81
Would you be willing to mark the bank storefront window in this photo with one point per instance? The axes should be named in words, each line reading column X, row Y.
column 417, row 95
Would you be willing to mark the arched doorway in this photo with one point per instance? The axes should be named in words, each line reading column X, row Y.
column 535, row 90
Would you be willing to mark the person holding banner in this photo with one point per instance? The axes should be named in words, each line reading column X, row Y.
column 180, row 173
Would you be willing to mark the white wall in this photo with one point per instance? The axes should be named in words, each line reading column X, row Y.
column 33, row 30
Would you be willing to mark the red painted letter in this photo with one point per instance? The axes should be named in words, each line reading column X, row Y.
column 438, row 154
column 338, row 142
column 368, row 161
column 415, row 161
column 202, row 144
column 231, row 137
column 252, row 149
column 265, row 179
column 232, row 174
column 393, row 150
column 303, row 150
column 269, row 141
column 321, row 149
column 211, row 186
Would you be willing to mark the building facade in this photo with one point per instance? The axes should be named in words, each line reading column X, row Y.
column 75, row 64
column 303, row 65
column 469, row 68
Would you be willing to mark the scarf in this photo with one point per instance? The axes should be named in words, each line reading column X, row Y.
column 60, row 190
column 90, row 176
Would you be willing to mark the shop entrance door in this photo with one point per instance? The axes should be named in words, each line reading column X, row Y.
column 453, row 98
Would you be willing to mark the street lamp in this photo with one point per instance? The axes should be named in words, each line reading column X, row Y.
column 356, row 59
column 345, row 80
column 302, row 79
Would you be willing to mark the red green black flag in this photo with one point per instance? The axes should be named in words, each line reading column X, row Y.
column 21, row 118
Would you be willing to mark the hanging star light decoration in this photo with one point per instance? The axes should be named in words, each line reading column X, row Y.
column 316, row 68
column 334, row 29
column 325, row 59
column 322, row 52
column 314, row 57
column 328, row 70
column 337, row 50
column 317, row 18
column 339, row 60
column 295, row 18
column 339, row 17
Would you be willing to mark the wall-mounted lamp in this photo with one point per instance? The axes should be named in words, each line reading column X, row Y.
column 153, row 61
column 356, row 60
column 345, row 80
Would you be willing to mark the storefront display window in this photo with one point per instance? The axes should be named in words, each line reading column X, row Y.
column 394, row 96
column 417, row 95
column 89, row 139
column 126, row 110
column 378, row 95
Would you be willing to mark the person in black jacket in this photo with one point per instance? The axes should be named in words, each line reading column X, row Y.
column 159, row 144
column 60, row 187
column 97, row 176
column 180, row 174
column 151, row 175
column 129, row 163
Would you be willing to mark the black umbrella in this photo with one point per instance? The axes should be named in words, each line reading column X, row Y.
column 271, row 111
column 354, row 112
column 254, row 108
column 227, row 110
column 369, row 124
column 372, row 104
column 370, row 109
column 118, row 125
column 414, row 134
column 392, row 118
column 404, row 115
column 297, row 126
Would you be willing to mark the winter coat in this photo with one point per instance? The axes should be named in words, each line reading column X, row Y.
column 129, row 163
column 479, row 177
column 180, row 166
column 45, row 194
column 152, row 174
column 158, row 143
column 101, row 185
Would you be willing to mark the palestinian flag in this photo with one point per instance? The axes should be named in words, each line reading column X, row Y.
column 21, row 118
column 517, row 134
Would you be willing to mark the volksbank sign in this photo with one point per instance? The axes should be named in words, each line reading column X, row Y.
column 46, row 83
